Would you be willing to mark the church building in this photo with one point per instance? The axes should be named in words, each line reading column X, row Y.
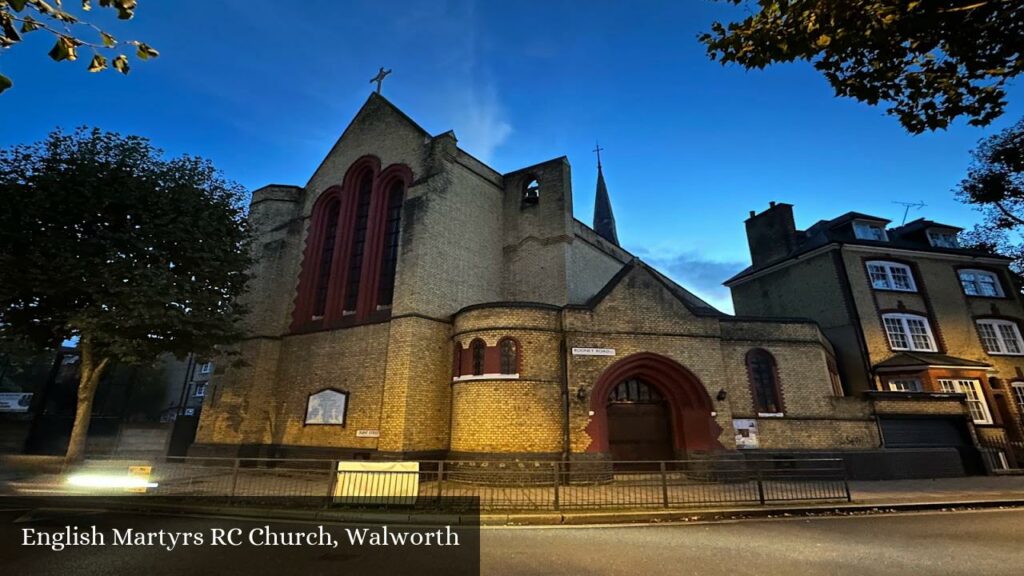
column 410, row 302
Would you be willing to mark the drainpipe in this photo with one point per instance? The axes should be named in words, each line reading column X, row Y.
column 564, row 361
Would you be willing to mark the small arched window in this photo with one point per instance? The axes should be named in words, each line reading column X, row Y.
column 457, row 361
column 509, row 356
column 477, row 349
column 531, row 190
column 764, row 383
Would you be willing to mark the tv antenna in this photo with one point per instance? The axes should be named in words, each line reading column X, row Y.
column 906, row 208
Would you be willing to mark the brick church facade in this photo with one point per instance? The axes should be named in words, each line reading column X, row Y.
column 411, row 302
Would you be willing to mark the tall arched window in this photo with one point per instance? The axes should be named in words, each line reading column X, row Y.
column 364, row 193
column 386, row 288
column 477, row 349
column 323, row 280
column 509, row 352
column 348, row 270
column 764, row 383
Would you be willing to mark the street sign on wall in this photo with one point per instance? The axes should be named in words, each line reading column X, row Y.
column 15, row 401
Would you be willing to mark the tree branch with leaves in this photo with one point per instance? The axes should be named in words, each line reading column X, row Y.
column 929, row 61
column 18, row 17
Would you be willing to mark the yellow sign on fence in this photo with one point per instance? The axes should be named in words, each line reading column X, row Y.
column 378, row 482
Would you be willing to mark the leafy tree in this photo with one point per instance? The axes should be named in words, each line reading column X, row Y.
column 19, row 17
column 104, row 240
column 931, row 61
column 995, row 185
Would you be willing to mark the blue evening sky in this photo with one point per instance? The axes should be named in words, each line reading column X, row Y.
column 264, row 88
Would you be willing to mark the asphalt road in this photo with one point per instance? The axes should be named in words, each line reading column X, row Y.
column 975, row 543
column 985, row 543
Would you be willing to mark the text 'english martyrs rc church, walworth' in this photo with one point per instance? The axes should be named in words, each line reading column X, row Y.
column 410, row 302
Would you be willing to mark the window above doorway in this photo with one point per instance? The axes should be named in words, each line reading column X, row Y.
column 909, row 332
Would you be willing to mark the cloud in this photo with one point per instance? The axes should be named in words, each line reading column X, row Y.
column 700, row 275
column 480, row 123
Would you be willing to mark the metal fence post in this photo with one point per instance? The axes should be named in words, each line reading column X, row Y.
column 558, row 481
column 664, row 486
column 332, row 481
column 440, row 481
column 234, row 479
column 760, row 485
column 846, row 480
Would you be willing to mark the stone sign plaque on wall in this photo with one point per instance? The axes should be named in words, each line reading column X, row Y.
column 593, row 352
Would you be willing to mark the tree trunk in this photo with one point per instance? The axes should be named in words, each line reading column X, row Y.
column 90, row 372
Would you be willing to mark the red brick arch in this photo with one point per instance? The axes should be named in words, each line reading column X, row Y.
column 693, row 428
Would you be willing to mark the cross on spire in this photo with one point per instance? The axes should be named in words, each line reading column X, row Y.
column 598, row 151
column 379, row 78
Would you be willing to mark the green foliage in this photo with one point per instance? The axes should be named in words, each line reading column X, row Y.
column 62, row 24
column 102, row 238
column 995, row 185
column 930, row 61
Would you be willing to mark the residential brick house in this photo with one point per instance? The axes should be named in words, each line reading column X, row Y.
column 909, row 312
column 411, row 302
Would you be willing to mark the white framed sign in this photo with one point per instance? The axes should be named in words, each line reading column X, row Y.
column 593, row 352
column 367, row 433
column 327, row 407
column 746, row 433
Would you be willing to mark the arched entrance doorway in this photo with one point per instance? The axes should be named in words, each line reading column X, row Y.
column 639, row 423
column 644, row 398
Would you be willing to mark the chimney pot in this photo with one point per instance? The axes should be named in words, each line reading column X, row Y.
column 771, row 204
column 753, row 213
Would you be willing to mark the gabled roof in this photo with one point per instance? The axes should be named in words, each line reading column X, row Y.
column 688, row 299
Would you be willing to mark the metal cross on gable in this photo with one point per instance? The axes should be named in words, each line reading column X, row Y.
column 379, row 78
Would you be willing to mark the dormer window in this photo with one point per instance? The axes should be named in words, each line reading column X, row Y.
column 864, row 230
column 980, row 283
column 943, row 239
column 891, row 276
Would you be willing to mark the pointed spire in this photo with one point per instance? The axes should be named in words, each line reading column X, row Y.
column 604, row 219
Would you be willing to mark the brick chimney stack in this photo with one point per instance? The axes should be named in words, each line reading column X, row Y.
column 771, row 234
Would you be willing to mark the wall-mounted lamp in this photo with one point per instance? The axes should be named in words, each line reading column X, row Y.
column 581, row 394
column 721, row 395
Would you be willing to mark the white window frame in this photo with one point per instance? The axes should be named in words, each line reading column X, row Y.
column 976, row 402
column 1018, row 394
column 889, row 269
column 860, row 225
column 206, row 367
column 933, row 234
column 904, row 323
column 1004, row 338
column 905, row 385
column 975, row 285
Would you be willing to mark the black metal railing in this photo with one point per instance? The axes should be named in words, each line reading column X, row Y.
column 500, row 485
column 1001, row 455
